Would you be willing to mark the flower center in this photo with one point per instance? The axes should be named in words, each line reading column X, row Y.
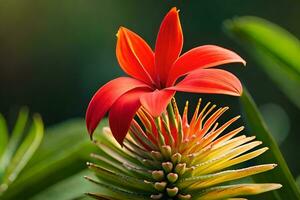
column 173, row 167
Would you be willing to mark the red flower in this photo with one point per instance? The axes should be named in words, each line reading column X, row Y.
column 154, row 76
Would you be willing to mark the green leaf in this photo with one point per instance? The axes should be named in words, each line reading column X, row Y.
column 121, row 180
column 281, row 174
column 115, row 191
column 229, row 191
column 16, row 137
column 73, row 187
column 26, row 150
column 64, row 152
column 276, row 50
column 3, row 135
column 205, row 181
column 3, row 143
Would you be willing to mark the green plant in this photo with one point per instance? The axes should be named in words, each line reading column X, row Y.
column 276, row 51
column 170, row 157
column 38, row 167
column 17, row 150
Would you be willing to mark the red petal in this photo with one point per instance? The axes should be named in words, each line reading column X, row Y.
column 105, row 97
column 122, row 113
column 168, row 44
column 156, row 102
column 202, row 57
column 213, row 81
column 135, row 56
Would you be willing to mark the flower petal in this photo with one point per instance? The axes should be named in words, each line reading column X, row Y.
column 212, row 81
column 168, row 44
column 135, row 56
column 106, row 96
column 122, row 113
column 156, row 102
column 202, row 57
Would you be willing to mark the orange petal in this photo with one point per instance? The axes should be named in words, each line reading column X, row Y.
column 202, row 57
column 211, row 81
column 156, row 102
column 106, row 96
column 122, row 113
column 168, row 44
column 135, row 56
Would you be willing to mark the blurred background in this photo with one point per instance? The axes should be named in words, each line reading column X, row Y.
column 55, row 54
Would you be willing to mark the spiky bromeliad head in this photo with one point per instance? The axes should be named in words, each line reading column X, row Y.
column 170, row 157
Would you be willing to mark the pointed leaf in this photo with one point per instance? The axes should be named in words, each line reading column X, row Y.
column 3, row 135
column 73, row 187
column 115, row 191
column 15, row 138
column 126, row 182
column 213, row 179
column 276, row 50
column 3, row 142
column 63, row 152
column 281, row 174
column 223, row 192
column 25, row 151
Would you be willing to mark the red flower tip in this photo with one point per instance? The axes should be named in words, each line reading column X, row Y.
column 244, row 62
column 174, row 10
column 121, row 30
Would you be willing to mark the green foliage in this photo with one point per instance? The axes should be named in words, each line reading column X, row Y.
column 33, row 168
column 3, row 135
column 72, row 187
column 19, row 148
column 276, row 50
column 256, row 126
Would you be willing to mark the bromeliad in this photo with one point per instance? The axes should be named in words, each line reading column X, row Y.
column 155, row 76
column 172, row 158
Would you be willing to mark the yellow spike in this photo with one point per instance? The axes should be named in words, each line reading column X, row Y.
column 211, row 120
column 195, row 141
column 227, row 137
column 237, row 190
column 216, row 152
column 215, row 116
column 200, row 117
column 232, row 154
column 199, row 131
column 218, row 163
column 209, row 138
column 209, row 111
column 200, row 182
column 246, row 157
